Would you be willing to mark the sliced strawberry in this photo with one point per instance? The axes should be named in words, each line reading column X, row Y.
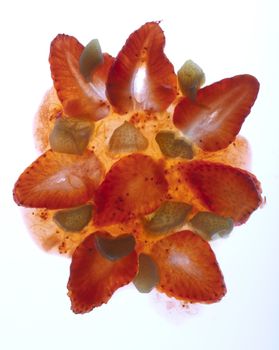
column 188, row 268
column 134, row 185
column 100, row 75
column 214, row 119
column 225, row 190
column 77, row 96
column 93, row 278
column 57, row 180
column 143, row 49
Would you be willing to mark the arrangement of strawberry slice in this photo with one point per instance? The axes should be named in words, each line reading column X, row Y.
column 126, row 187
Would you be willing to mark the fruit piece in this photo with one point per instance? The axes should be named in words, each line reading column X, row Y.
column 90, row 58
column 142, row 52
column 173, row 147
column 58, row 181
column 188, row 268
column 115, row 248
column 148, row 276
column 70, row 135
column 100, row 74
column 190, row 78
column 127, row 138
column 214, row 119
column 79, row 98
column 224, row 190
column 93, row 278
column 169, row 216
column 74, row 219
column 135, row 185
column 210, row 225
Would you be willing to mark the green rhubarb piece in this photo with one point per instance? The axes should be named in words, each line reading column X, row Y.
column 173, row 147
column 148, row 275
column 115, row 248
column 167, row 217
column 190, row 79
column 74, row 219
column 127, row 138
column 90, row 58
column 70, row 135
column 210, row 225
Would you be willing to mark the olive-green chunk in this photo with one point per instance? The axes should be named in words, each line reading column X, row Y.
column 127, row 138
column 148, row 274
column 115, row 248
column 190, row 78
column 167, row 217
column 210, row 225
column 70, row 135
column 173, row 147
column 90, row 58
column 74, row 219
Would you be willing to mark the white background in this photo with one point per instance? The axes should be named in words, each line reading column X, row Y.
column 225, row 38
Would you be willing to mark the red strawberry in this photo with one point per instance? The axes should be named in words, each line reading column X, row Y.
column 214, row 119
column 77, row 96
column 188, row 268
column 57, row 180
column 143, row 49
column 225, row 190
column 100, row 74
column 134, row 185
column 93, row 278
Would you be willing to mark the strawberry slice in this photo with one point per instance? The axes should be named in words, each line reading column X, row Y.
column 57, row 180
column 223, row 189
column 214, row 119
column 77, row 96
column 93, row 278
column 134, row 185
column 143, row 50
column 100, row 74
column 188, row 268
